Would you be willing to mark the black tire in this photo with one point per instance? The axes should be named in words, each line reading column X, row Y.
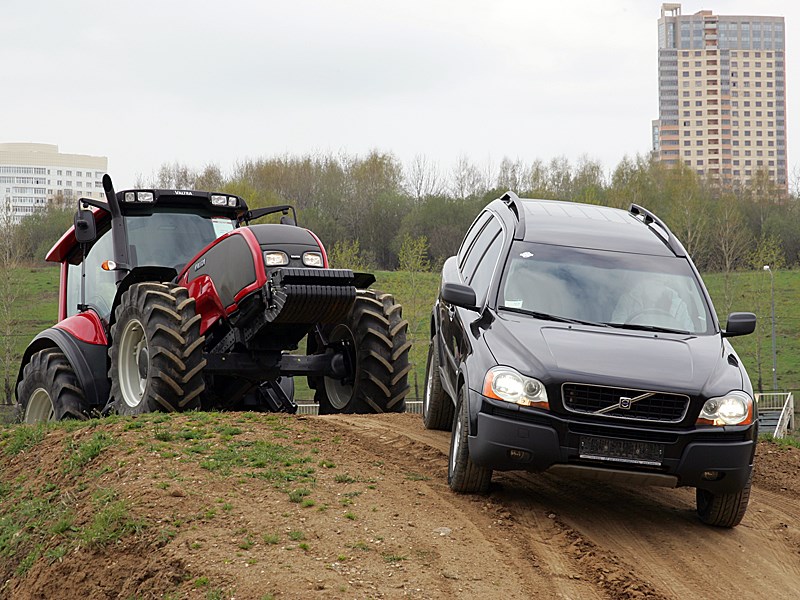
column 156, row 351
column 437, row 407
column 373, row 337
column 49, row 390
column 723, row 510
column 463, row 475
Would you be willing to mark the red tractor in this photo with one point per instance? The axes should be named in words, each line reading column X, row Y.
column 170, row 300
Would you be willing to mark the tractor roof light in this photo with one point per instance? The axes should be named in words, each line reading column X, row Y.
column 233, row 201
column 144, row 196
column 130, row 196
column 219, row 200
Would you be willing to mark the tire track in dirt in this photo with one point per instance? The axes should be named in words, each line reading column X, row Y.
column 625, row 542
column 657, row 530
column 513, row 521
column 484, row 548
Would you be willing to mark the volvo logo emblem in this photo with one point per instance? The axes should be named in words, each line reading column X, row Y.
column 624, row 403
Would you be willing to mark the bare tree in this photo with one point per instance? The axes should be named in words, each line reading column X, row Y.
column 9, row 292
column 512, row 175
column 424, row 178
column 466, row 181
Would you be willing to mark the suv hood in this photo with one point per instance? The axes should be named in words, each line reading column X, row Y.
column 555, row 353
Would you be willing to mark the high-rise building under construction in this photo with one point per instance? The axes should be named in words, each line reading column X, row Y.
column 722, row 95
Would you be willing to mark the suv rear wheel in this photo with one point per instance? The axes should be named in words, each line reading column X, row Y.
column 437, row 408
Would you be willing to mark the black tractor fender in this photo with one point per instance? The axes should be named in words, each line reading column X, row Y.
column 139, row 275
column 89, row 361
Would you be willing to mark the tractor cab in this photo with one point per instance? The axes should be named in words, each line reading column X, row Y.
column 156, row 229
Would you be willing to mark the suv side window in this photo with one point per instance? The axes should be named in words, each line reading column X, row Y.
column 482, row 277
column 481, row 259
column 473, row 232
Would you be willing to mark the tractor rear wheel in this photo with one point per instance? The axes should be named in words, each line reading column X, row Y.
column 49, row 390
column 373, row 341
column 156, row 352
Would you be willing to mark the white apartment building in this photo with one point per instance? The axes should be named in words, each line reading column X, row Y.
column 31, row 175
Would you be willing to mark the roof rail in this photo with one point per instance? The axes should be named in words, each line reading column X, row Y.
column 512, row 201
column 648, row 219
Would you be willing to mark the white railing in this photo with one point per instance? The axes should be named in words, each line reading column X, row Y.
column 412, row 406
column 778, row 401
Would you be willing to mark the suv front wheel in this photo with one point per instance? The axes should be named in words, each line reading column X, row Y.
column 463, row 475
column 723, row 510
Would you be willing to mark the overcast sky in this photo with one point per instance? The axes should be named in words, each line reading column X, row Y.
column 200, row 82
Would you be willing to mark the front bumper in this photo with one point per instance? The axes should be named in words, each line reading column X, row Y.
column 518, row 439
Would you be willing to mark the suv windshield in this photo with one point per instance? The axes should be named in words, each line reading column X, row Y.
column 172, row 238
column 636, row 291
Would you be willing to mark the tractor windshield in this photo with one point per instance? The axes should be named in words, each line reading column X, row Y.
column 171, row 238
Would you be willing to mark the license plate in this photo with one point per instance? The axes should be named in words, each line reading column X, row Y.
column 625, row 451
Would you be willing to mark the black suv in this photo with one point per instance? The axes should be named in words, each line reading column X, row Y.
column 574, row 338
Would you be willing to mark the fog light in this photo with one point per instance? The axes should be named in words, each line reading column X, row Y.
column 711, row 475
column 519, row 455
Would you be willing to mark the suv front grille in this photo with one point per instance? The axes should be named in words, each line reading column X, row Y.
column 621, row 403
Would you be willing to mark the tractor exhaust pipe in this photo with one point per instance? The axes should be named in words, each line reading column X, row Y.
column 119, row 235
column 111, row 196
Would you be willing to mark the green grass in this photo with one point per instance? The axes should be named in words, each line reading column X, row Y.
column 35, row 310
column 36, row 306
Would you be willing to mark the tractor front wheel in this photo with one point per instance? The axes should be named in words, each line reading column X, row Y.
column 373, row 341
column 156, row 353
column 49, row 390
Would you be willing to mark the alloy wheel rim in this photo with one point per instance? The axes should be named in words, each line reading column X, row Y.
column 40, row 407
column 456, row 446
column 132, row 375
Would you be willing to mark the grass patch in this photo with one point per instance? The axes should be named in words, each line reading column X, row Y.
column 112, row 520
column 81, row 454
column 23, row 437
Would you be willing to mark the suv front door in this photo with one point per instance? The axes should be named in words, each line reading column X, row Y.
column 476, row 270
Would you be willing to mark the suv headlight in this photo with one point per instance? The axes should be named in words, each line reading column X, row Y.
column 505, row 383
column 734, row 408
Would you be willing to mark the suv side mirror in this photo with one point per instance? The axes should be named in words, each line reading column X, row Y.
column 459, row 295
column 85, row 227
column 740, row 323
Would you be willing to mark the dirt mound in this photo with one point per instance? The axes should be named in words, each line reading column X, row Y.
column 213, row 505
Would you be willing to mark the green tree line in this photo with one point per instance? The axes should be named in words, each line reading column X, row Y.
column 366, row 206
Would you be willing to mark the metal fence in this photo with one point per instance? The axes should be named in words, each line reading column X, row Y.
column 778, row 402
column 311, row 408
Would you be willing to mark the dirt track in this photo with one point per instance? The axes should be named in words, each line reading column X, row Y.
column 376, row 520
column 576, row 539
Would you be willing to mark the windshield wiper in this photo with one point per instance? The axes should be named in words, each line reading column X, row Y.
column 655, row 328
column 549, row 317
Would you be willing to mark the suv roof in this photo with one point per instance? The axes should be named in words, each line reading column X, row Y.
column 590, row 226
